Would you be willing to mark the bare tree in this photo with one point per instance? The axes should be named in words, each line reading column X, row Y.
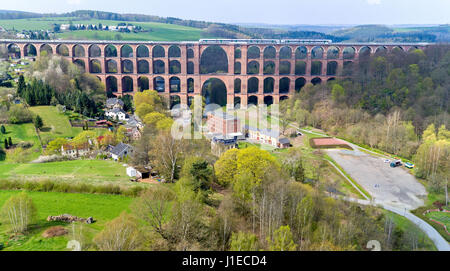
column 120, row 234
column 19, row 212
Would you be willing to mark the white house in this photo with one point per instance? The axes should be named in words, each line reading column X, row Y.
column 75, row 151
column 116, row 113
column 266, row 136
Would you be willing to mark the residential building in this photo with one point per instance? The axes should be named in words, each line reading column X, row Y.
column 75, row 151
column 220, row 144
column 112, row 103
column 121, row 151
column 267, row 136
column 116, row 114
column 222, row 123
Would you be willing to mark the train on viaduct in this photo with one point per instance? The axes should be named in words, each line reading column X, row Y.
column 252, row 71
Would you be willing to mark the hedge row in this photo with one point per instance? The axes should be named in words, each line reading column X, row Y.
column 55, row 186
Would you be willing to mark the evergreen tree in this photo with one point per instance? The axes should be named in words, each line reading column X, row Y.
column 3, row 129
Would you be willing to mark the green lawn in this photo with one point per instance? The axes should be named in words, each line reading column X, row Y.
column 102, row 208
column 154, row 31
column 56, row 124
column 89, row 171
column 23, row 132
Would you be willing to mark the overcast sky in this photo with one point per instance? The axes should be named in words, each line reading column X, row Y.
column 261, row 11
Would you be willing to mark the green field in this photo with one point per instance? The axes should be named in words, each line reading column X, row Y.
column 154, row 31
column 57, row 124
column 23, row 132
column 102, row 208
column 88, row 171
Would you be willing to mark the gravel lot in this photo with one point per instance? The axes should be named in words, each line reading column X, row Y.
column 393, row 186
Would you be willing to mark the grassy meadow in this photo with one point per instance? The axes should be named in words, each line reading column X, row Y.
column 152, row 31
column 102, row 208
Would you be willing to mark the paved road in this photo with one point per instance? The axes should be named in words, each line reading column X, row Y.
column 439, row 241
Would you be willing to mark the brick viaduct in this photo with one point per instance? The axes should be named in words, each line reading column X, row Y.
column 257, row 71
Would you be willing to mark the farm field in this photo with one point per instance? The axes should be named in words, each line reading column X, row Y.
column 102, row 208
column 155, row 31
column 88, row 171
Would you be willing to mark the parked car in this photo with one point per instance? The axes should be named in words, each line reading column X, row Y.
column 387, row 161
column 409, row 165
column 396, row 163
column 299, row 133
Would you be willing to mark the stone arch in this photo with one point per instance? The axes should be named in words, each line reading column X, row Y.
column 174, row 67
column 316, row 81
column 143, row 66
column 94, row 51
column 268, row 100
column 316, row 67
column 142, row 51
column 46, row 48
column 80, row 63
column 111, row 66
column 332, row 68
column 253, row 52
column 30, row 50
column 237, row 102
column 62, row 50
column 252, row 85
column 270, row 52
column 174, row 100
column 159, row 84
column 158, row 51
column 127, row 84
column 365, row 51
column 213, row 60
column 299, row 83
column 110, row 51
column 190, row 67
column 333, row 52
column 253, row 67
column 190, row 85
column 215, row 91
column 317, row 52
column 127, row 66
column 237, row 67
column 347, row 68
column 285, row 83
column 190, row 53
column 269, row 84
column 284, row 97
column 381, row 50
column 285, row 67
column 111, row 84
column 143, row 83
column 349, row 53
column 237, row 85
column 300, row 67
column 301, row 52
column 174, row 51
column 14, row 51
column 252, row 100
column 126, row 51
column 331, row 79
column 285, row 52
column 398, row 48
column 78, row 51
column 95, row 66
column 159, row 67
column 269, row 67
column 237, row 51
column 174, row 84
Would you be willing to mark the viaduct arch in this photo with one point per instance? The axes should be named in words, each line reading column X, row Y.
column 254, row 71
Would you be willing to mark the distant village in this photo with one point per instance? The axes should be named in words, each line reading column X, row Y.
column 57, row 28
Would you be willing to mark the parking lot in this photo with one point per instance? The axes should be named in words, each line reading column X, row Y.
column 394, row 186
